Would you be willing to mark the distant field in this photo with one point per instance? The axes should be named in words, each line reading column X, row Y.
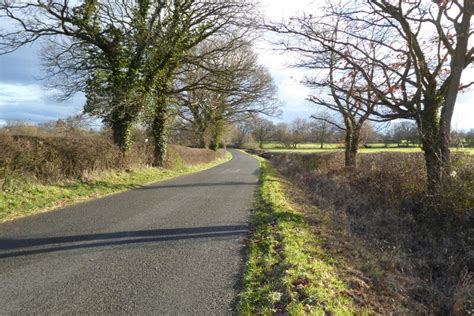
column 315, row 148
column 301, row 146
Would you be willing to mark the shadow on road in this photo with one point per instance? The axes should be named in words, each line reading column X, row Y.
column 10, row 247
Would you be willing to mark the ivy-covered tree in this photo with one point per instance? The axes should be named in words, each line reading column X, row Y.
column 123, row 54
column 192, row 23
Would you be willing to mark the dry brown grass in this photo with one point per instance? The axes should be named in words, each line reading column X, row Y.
column 193, row 156
column 421, row 246
column 53, row 159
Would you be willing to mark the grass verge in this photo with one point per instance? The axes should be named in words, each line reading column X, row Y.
column 37, row 198
column 288, row 269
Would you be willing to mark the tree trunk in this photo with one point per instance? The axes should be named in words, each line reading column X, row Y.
column 200, row 129
column 217, row 134
column 202, row 142
column 351, row 147
column 434, row 167
column 160, row 134
column 202, row 137
column 435, row 146
column 122, row 130
column 435, row 125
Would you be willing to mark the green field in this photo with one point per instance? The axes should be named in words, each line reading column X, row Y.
column 274, row 145
column 376, row 148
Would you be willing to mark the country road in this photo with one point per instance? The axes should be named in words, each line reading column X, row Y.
column 175, row 247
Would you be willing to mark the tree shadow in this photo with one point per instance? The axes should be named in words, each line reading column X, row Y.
column 15, row 247
column 256, row 172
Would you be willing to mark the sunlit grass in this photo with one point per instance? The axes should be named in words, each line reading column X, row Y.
column 276, row 145
column 288, row 270
column 376, row 148
column 36, row 198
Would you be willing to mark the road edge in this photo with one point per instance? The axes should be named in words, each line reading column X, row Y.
column 165, row 176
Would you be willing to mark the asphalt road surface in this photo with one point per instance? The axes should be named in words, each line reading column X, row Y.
column 175, row 247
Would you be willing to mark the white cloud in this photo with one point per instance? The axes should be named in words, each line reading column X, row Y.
column 15, row 94
column 32, row 103
column 279, row 9
column 463, row 117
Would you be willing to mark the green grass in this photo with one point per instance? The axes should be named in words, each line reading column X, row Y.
column 275, row 145
column 36, row 198
column 288, row 270
column 314, row 148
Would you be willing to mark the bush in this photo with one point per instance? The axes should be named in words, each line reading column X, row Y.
column 383, row 202
column 51, row 159
column 179, row 156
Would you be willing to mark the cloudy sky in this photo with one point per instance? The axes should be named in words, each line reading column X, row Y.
column 24, row 98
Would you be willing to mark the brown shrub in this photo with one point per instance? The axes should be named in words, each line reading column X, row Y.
column 60, row 158
column 51, row 159
column 194, row 156
column 383, row 202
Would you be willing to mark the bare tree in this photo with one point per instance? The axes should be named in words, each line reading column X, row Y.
column 242, row 133
column 339, row 86
column 369, row 134
column 349, row 97
column 321, row 129
column 298, row 129
column 470, row 137
column 424, row 73
column 405, row 133
column 283, row 134
column 423, row 51
column 262, row 130
column 226, row 88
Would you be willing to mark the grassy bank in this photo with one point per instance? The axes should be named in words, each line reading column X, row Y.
column 35, row 198
column 288, row 271
column 404, row 244
column 309, row 150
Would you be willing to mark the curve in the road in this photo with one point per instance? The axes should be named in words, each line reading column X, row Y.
column 172, row 247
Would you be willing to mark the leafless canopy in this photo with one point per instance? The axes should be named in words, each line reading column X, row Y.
column 409, row 56
column 231, row 80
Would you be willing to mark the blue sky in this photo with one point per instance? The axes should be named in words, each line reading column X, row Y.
column 23, row 96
